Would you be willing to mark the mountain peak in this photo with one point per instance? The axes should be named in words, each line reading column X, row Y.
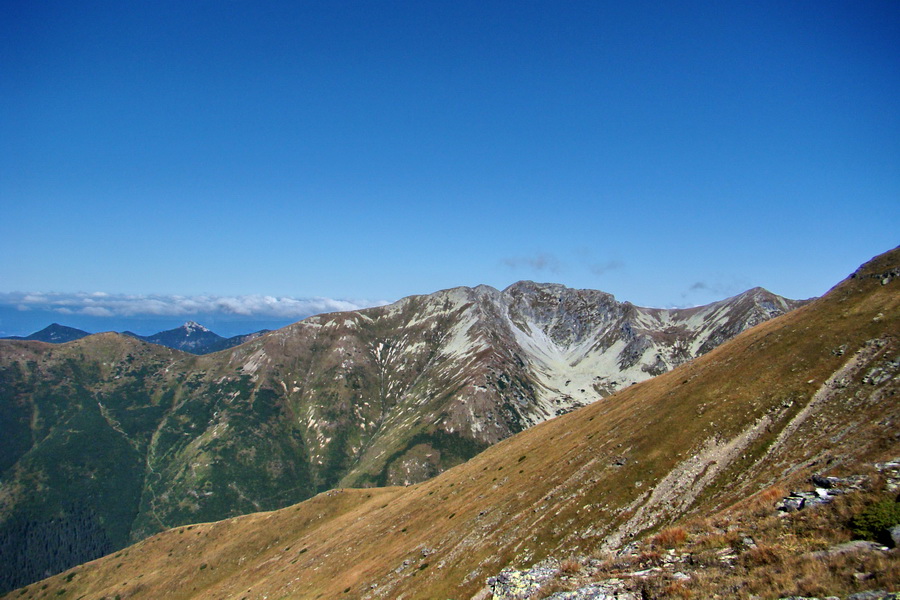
column 192, row 326
column 57, row 334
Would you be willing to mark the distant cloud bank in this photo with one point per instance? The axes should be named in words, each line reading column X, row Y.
column 101, row 304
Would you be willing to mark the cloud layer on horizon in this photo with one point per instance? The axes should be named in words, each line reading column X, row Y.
column 101, row 304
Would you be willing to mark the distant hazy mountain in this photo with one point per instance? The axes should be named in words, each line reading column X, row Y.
column 195, row 338
column 54, row 334
column 128, row 438
column 190, row 337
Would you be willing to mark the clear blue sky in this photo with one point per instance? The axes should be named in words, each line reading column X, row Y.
column 669, row 153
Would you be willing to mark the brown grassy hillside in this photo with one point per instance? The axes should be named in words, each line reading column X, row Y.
column 814, row 391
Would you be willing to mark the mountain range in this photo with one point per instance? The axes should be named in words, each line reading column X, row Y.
column 109, row 439
column 53, row 334
column 664, row 489
column 190, row 337
column 195, row 339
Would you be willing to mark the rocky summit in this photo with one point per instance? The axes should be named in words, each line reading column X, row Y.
column 108, row 439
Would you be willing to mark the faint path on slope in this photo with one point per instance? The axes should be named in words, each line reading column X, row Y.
column 677, row 491
column 827, row 390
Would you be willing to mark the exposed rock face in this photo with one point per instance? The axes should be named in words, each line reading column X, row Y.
column 429, row 380
column 581, row 345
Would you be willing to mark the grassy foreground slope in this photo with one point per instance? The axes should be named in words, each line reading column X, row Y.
column 814, row 391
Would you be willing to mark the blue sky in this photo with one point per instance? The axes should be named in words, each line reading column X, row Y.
column 668, row 153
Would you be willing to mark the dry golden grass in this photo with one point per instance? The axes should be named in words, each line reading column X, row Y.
column 787, row 557
column 465, row 525
column 763, row 556
column 671, row 537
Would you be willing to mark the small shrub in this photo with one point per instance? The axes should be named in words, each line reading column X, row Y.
column 875, row 522
column 764, row 502
column 771, row 494
column 570, row 567
column 670, row 538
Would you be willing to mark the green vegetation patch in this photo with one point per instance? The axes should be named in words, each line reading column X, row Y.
column 875, row 522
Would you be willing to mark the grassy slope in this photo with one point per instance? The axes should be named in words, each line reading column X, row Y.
column 560, row 487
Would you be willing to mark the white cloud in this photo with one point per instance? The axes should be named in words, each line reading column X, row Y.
column 101, row 304
column 541, row 262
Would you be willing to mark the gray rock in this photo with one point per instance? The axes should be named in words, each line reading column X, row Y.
column 870, row 595
column 824, row 482
column 895, row 535
column 790, row 504
column 512, row 584
column 596, row 591
column 847, row 547
column 629, row 549
column 891, row 464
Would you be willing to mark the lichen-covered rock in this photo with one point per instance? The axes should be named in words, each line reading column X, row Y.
column 596, row 591
column 512, row 584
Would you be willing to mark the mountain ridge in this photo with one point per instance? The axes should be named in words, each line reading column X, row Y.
column 194, row 338
column 387, row 395
column 190, row 337
column 812, row 392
